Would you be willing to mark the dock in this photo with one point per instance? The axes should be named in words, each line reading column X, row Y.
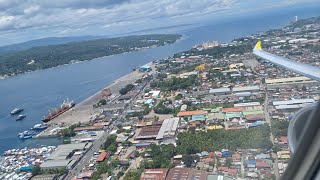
column 84, row 110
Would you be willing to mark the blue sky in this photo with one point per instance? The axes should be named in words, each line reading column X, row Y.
column 22, row 20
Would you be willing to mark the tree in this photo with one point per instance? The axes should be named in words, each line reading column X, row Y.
column 54, row 55
column 146, row 90
column 211, row 163
column 187, row 160
column 228, row 162
column 133, row 175
column 126, row 89
column 178, row 97
column 103, row 102
column 276, row 148
column 36, row 170
column 112, row 148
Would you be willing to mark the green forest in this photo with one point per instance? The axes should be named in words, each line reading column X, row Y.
column 54, row 55
column 190, row 143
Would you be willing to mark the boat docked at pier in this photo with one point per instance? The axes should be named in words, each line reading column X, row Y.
column 39, row 127
column 65, row 106
column 26, row 135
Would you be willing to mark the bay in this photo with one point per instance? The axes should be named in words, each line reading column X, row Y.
column 39, row 91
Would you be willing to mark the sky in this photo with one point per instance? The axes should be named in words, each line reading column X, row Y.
column 22, row 20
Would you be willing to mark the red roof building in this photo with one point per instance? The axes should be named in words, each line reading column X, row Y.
column 223, row 168
column 190, row 113
column 233, row 109
column 283, row 139
column 154, row 174
column 211, row 155
column 102, row 156
column 263, row 165
column 236, row 156
column 232, row 171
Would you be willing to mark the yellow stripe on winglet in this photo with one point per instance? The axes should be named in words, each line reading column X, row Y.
column 258, row 46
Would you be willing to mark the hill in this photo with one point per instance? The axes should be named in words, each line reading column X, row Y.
column 54, row 55
column 44, row 42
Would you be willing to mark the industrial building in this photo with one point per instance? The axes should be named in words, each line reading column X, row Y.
column 191, row 113
column 247, row 104
column 287, row 80
column 220, row 91
column 186, row 174
column 240, row 91
column 62, row 157
column 168, row 129
column 293, row 101
column 149, row 132
column 45, row 177
column 154, row 174
column 246, row 89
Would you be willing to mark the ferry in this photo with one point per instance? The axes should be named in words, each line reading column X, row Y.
column 26, row 135
column 20, row 117
column 16, row 111
column 39, row 127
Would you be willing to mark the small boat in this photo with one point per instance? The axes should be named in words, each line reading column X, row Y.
column 20, row 117
column 16, row 111
column 26, row 135
column 39, row 127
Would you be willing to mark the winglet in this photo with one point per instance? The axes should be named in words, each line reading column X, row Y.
column 258, row 46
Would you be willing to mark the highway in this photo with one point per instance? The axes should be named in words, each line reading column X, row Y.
column 88, row 155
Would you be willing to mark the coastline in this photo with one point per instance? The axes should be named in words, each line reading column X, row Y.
column 83, row 110
column 6, row 76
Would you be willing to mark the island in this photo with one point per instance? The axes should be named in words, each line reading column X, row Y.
column 44, row 57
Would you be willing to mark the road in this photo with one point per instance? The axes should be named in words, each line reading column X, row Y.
column 268, row 120
column 87, row 156
column 97, row 143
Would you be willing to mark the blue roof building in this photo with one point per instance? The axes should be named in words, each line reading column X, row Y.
column 250, row 161
column 26, row 168
column 263, row 156
column 226, row 154
column 198, row 117
column 145, row 68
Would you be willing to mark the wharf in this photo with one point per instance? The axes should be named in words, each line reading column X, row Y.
column 84, row 110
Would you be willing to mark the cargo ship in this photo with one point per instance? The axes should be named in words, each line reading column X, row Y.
column 65, row 106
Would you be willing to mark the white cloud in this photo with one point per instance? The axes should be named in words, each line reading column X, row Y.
column 32, row 9
column 81, row 17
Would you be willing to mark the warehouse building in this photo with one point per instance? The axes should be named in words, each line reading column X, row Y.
column 168, row 129
column 154, row 174
column 288, row 80
column 293, row 101
column 63, row 156
column 186, row 174
column 148, row 132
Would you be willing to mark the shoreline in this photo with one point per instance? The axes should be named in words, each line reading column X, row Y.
column 3, row 77
column 83, row 110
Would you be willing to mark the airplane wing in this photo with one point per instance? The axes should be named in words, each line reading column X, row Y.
column 310, row 71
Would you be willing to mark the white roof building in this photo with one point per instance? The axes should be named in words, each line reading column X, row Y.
column 168, row 128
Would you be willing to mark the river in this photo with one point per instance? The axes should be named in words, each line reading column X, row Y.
column 39, row 91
